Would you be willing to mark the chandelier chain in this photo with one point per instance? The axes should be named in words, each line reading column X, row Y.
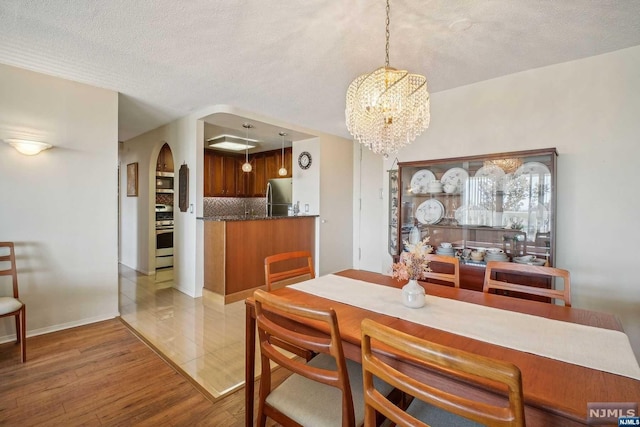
column 388, row 34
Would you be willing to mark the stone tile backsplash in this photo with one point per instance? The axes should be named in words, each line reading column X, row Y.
column 222, row 206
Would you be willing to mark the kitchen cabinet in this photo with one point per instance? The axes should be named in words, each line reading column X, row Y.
column 258, row 176
column 235, row 269
column 505, row 201
column 165, row 160
column 220, row 174
column 223, row 175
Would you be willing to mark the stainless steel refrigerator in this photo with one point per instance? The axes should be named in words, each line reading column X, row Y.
column 279, row 196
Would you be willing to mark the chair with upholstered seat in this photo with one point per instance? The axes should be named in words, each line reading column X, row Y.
column 287, row 268
column 327, row 390
column 511, row 270
column 451, row 262
column 12, row 306
column 432, row 405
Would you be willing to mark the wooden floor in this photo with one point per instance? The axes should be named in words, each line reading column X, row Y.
column 102, row 374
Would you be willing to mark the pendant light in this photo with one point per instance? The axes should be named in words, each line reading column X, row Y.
column 387, row 108
column 246, row 167
column 283, row 170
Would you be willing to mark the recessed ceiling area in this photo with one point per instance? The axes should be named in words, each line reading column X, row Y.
column 267, row 135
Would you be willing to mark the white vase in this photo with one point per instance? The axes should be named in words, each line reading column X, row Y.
column 413, row 294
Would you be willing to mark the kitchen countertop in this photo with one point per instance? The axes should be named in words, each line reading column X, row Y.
column 251, row 217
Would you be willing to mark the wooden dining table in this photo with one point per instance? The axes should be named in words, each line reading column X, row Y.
column 556, row 393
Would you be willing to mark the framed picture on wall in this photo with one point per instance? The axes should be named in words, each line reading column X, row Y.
column 132, row 180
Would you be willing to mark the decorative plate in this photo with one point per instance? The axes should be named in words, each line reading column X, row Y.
column 494, row 173
column 430, row 211
column 532, row 168
column 455, row 176
column 473, row 215
column 420, row 181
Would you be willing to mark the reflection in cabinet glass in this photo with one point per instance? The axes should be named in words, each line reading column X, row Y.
column 504, row 201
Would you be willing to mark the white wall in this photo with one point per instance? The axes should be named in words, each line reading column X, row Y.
column 60, row 207
column 306, row 182
column 588, row 110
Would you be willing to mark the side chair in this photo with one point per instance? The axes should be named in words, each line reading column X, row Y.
column 11, row 305
column 494, row 267
column 327, row 390
column 451, row 262
column 278, row 270
column 432, row 405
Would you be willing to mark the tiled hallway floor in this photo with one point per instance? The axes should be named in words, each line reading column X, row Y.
column 200, row 336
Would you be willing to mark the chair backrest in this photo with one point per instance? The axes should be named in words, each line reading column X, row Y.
column 441, row 359
column 11, row 259
column 274, row 264
column 276, row 320
column 445, row 277
column 509, row 269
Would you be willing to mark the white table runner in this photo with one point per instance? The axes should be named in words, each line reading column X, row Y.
column 597, row 348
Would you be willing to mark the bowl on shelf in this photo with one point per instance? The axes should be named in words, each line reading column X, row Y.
column 477, row 256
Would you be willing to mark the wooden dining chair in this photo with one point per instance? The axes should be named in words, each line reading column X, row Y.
column 451, row 263
column 432, row 405
column 327, row 390
column 287, row 268
column 12, row 306
column 510, row 271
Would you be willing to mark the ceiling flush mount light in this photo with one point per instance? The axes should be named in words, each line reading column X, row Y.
column 282, row 171
column 229, row 142
column 387, row 108
column 246, row 167
column 26, row 147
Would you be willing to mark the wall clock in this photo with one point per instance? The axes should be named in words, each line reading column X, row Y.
column 304, row 160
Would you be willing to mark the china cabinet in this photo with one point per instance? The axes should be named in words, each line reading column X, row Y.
column 503, row 201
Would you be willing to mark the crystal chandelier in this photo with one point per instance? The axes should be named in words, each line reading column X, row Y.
column 246, row 167
column 283, row 170
column 387, row 108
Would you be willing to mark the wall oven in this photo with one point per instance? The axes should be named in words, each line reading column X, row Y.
column 164, row 182
column 164, row 236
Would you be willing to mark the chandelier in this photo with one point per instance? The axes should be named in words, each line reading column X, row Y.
column 387, row 108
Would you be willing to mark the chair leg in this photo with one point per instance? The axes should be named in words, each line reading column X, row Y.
column 23, row 333
column 18, row 333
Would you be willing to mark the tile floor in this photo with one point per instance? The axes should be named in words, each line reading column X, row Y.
column 201, row 336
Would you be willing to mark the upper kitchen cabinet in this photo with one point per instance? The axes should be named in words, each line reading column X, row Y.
column 165, row 159
column 221, row 174
column 274, row 162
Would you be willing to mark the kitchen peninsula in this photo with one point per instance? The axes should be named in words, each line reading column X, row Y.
column 235, row 247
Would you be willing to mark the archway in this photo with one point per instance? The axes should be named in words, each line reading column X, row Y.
column 164, row 219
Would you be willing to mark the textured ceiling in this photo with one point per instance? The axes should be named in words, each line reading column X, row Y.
column 292, row 59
